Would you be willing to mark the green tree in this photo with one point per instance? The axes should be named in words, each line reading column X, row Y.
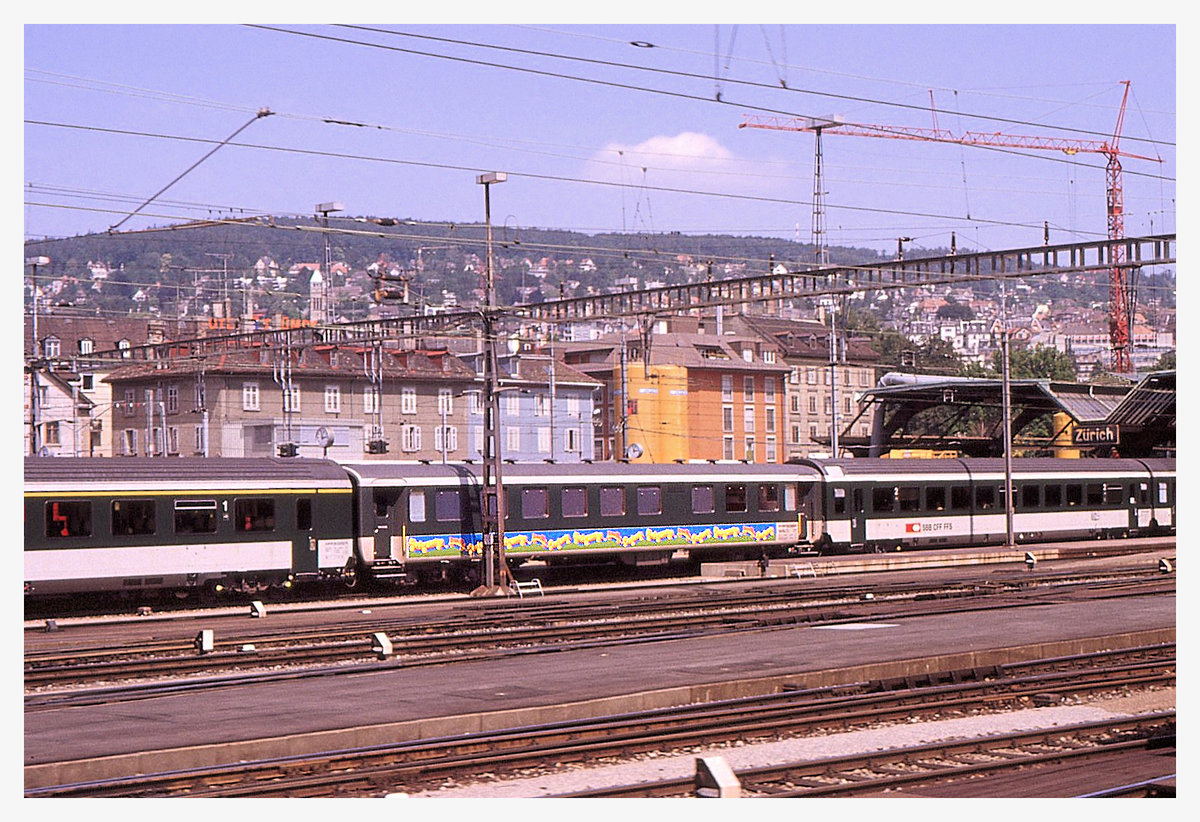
column 1041, row 363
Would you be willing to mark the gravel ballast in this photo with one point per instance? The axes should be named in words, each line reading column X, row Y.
column 571, row 777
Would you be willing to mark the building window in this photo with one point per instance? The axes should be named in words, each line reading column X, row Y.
column 573, row 440
column 541, row 405
column 727, row 418
column 129, row 406
column 795, row 403
column 543, row 440
column 371, row 399
column 768, row 356
column 812, row 376
column 770, row 418
column 410, row 437
column 291, row 398
column 512, row 438
column 51, row 348
column 727, row 448
column 771, row 451
column 198, row 396
column 812, row 403
column 748, row 418
column 172, row 440
column 769, row 390
column 748, row 389
column 573, row 409
column 199, row 439
column 445, row 401
column 512, row 405
column 333, row 399
column 172, row 399
column 726, row 388
column 52, row 433
column 475, row 402
column 87, row 346
column 795, row 434
column 249, row 396
column 123, row 346
column 845, row 405
column 129, row 442
column 749, row 449
column 445, row 438
column 408, row 400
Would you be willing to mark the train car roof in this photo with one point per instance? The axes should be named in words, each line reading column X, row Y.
column 181, row 473
column 977, row 468
column 377, row 472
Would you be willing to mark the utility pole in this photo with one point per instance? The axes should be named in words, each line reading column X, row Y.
column 1006, row 416
column 493, row 504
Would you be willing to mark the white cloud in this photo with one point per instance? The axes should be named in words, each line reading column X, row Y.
column 686, row 160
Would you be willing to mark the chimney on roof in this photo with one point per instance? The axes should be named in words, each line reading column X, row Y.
column 156, row 331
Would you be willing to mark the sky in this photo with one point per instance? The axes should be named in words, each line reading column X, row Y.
column 600, row 128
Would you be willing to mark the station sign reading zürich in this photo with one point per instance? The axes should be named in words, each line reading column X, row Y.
column 1096, row 435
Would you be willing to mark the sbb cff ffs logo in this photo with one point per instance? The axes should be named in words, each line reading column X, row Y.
column 927, row 527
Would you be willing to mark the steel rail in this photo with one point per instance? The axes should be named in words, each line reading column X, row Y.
column 382, row 767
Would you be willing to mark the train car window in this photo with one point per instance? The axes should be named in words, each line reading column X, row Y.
column 735, row 498
column 574, row 502
column 1074, row 494
column 416, row 506
column 68, row 518
column 768, row 497
column 254, row 514
column 1162, row 493
column 1113, row 494
column 935, row 498
column 1031, row 496
column 702, row 499
column 195, row 516
column 985, row 497
column 883, row 498
column 960, row 497
column 304, row 514
column 910, row 497
column 791, row 497
column 649, row 500
column 447, row 505
column 131, row 517
column 535, row 503
column 1053, row 496
column 612, row 501
column 839, row 500
column 1143, row 494
column 1095, row 493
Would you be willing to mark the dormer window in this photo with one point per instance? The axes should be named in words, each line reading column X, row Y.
column 87, row 345
column 51, row 348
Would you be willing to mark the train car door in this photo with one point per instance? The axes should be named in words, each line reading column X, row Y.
column 858, row 516
column 386, row 519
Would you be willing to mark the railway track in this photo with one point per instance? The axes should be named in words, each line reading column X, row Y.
column 944, row 764
column 555, row 625
column 412, row 765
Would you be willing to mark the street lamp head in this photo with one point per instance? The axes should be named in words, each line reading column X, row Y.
column 328, row 208
column 492, row 177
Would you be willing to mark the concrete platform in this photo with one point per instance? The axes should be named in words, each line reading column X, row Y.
column 382, row 703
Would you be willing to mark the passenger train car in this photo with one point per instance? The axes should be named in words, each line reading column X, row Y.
column 95, row 525
column 884, row 504
column 251, row 524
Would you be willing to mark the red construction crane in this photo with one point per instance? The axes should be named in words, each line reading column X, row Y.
column 1119, row 295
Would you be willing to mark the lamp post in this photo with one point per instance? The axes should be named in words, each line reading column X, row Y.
column 496, row 579
column 325, row 209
